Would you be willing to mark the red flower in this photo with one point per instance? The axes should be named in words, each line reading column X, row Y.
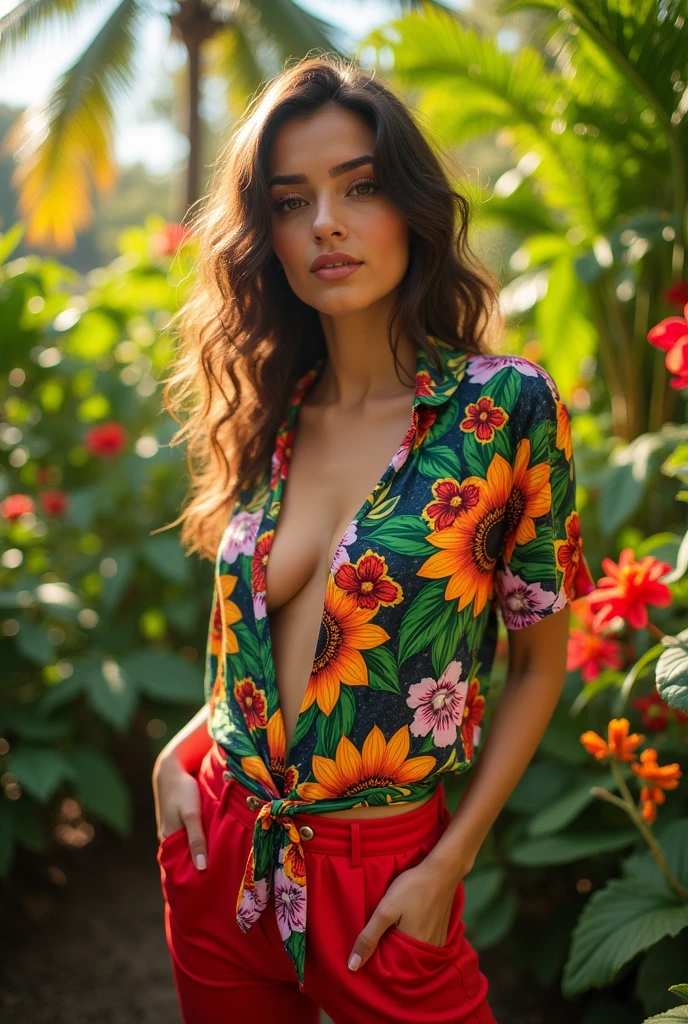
column 590, row 649
column 425, row 419
column 654, row 712
column 252, row 703
column 16, row 505
column 671, row 335
column 281, row 456
column 167, row 241
column 54, row 502
column 572, row 561
column 259, row 562
column 369, row 582
column 106, row 440
column 676, row 293
column 472, row 715
column 453, row 500
column 484, row 418
column 628, row 588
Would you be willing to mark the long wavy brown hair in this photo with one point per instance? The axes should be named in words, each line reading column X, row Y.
column 244, row 337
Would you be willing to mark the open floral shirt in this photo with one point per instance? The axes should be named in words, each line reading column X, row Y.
column 475, row 513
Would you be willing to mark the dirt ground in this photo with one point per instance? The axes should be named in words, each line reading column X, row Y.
column 92, row 949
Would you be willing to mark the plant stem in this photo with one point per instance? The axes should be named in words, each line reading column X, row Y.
column 655, row 631
column 640, row 823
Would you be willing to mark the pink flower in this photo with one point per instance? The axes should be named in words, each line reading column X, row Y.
column 253, row 902
column 167, row 241
column 440, row 705
column 522, row 603
column 240, row 536
column 15, row 505
column 290, row 905
column 671, row 335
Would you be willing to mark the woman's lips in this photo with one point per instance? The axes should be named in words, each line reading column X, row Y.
column 334, row 273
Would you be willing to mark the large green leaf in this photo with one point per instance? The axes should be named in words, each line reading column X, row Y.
column 40, row 770
column 618, row 922
column 679, row 1015
column 564, row 809
column 672, row 671
column 111, row 694
column 163, row 675
column 101, row 788
column 565, row 848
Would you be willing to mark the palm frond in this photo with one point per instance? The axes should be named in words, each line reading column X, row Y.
column 28, row 18
column 66, row 144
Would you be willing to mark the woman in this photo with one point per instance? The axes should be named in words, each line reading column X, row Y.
column 308, row 859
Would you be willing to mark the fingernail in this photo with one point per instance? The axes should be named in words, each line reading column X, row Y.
column 200, row 861
column 354, row 961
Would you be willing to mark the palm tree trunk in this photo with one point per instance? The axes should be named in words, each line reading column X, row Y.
column 193, row 24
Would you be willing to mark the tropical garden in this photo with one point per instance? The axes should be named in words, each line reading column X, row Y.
column 582, row 885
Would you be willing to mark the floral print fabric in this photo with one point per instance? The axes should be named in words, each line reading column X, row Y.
column 474, row 516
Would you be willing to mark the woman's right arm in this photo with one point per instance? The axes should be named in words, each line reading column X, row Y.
column 175, row 789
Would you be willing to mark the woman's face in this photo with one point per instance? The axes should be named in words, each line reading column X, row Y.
column 334, row 209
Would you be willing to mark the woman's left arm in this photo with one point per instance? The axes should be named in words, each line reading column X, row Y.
column 419, row 899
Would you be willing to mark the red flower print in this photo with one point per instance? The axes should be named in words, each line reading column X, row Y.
column 590, row 649
column 281, row 456
column 671, row 335
column 106, row 440
column 654, row 712
column 425, row 419
column 369, row 582
column 424, row 384
column 15, row 505
column 252, row 703
column 54, row 502
column 260, row 561
column 628, row 588
column 472, row 716
column 569, row 555
column 453, row 499
column 484, row 418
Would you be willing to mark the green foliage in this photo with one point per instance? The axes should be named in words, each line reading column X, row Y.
column 105, row 624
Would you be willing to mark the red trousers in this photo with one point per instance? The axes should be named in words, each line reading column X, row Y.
column 222, row 974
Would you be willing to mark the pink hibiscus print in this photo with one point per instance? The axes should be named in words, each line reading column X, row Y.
column 440, row 703
column 240, row 536
column 523, row 603
column 341, row 554
column 253, row 902
column 290, row 905
column 481, row 369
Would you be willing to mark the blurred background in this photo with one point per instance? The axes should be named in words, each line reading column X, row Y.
column 565, row 124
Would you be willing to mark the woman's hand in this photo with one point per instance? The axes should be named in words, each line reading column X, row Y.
column 418, row 902
column 178, row 805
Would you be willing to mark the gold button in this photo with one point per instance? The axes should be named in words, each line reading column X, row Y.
column 253, row 802
column 306, row 832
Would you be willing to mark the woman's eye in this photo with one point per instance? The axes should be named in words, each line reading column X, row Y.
column 368, row 183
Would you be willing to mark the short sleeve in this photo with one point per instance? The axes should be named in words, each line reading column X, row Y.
column 541, row 565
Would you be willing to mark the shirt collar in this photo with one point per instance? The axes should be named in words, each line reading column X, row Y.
column 433, row 386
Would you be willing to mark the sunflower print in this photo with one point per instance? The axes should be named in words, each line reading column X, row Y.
column 473, row 524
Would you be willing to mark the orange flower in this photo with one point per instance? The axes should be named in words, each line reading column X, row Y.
column 659, row 777
column 619, row 744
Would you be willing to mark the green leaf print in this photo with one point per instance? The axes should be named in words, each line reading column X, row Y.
column 423, row 620
column 505, row 387
column 447, row 640
column 382, row 669
column 438, row 461
column 478, row 456
column 380, row 510
column 304, row 724
column 338, row 723
column 248, row 648
column 534, row 561
column 539, row 442
column 406, row 535
column 502, row 445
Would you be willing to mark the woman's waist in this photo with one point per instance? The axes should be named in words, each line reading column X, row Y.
column 400, row 825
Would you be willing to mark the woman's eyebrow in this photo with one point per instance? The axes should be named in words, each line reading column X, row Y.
column 302, row 179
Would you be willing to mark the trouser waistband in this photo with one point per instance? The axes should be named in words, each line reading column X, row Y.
column 349, row 837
